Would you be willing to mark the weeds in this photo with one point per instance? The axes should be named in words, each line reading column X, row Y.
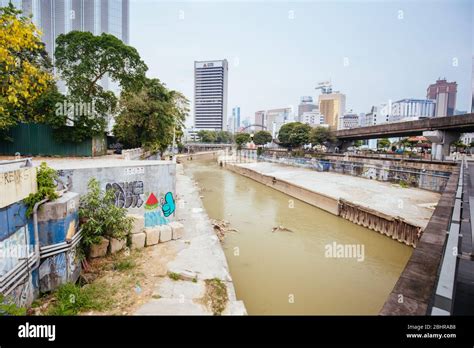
column 174, row 276
column 71, row 299
column 216, row 296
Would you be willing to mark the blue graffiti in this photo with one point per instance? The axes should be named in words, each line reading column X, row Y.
column 155, row 218
column 168, row 206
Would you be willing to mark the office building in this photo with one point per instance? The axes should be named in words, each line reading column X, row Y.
column 332, row 106
column 306, row 105
column 275, row 118
column 443, row 93
column 411, row 110
column 56, row 17
column 210, row 94
column 384, row 113
column 260, row 118
column 236, row 118
column 313, row 118
column 349, row 120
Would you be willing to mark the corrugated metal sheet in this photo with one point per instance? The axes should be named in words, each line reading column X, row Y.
column 38, row 139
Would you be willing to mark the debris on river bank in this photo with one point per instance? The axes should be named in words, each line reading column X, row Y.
column 221, row 227
column 281, row 228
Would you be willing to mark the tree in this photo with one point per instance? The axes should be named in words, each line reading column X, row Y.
column 223, row 137
column 383, row 143
column 321, row 136
column 458, row 144
column 358, row 143
column 262, row 137
column 241, row 139
column 285, row 132
column 149, row 117
column 83, row 60
column 300, row 135
column 207, row 136
column 25, row 69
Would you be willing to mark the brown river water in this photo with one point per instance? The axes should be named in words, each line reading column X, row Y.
column 296, row 271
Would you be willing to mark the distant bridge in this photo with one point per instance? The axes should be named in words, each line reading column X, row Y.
column 253, row 125
column 441, row 131
column 458, row 124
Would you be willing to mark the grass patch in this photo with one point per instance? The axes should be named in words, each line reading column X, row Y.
column 216, row 296
column 71, row 299
column 8, row 307
column 123, row 265
column 174, row 276
column 403, row 184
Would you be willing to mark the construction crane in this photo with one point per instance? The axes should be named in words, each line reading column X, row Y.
column 325, row 87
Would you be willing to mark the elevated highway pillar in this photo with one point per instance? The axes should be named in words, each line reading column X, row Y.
column 441, row 141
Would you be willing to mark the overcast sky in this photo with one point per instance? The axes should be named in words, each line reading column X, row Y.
column 372, row 51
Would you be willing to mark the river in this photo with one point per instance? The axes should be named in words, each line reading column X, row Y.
column 283, row 272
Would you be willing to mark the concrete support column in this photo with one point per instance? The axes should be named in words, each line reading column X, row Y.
column 344, row 145
column 441, row 142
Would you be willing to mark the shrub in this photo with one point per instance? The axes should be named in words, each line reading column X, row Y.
column 8, row 307
column 100, row 216
column 71, row 299
column 45, row 181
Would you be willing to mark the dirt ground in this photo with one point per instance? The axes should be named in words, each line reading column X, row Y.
column 129, row 286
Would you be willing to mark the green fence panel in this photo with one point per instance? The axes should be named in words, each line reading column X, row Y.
column 38, row 140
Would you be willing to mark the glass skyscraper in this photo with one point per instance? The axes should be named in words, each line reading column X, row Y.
column 210, row 94
column 55, row 17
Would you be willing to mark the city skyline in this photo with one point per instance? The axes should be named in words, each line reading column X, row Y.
column 274, row 58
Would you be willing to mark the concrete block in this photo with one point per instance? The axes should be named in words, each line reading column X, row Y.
column 100, row 249
column 116, row 245
column 152, row 236
column 60, row 208
column 138, row 223
column 138, row 240
column 177, row 229
column 165, row 233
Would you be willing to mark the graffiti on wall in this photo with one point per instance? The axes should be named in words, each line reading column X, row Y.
column 24, row 294
column 127, row 194
column 65, row 178
column 157, row 211
column 16, row 185
column 13, row 249
column 53, row 272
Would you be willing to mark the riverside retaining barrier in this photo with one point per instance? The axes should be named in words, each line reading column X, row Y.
column 395, row 227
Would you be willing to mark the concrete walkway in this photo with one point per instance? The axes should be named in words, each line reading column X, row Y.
column 464, row 290
column 414, row 205
column 200, row 257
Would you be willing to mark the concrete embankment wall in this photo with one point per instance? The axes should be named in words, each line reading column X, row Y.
column 207, row 155
column 427, row 175
column 393, row 227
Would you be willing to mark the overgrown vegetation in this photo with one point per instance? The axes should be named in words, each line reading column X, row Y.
column 8, row 307
column 125, row 264
column 71, row 299
column 216, row 296
column 174, row 276
column 46, row 182
column 100, row 216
